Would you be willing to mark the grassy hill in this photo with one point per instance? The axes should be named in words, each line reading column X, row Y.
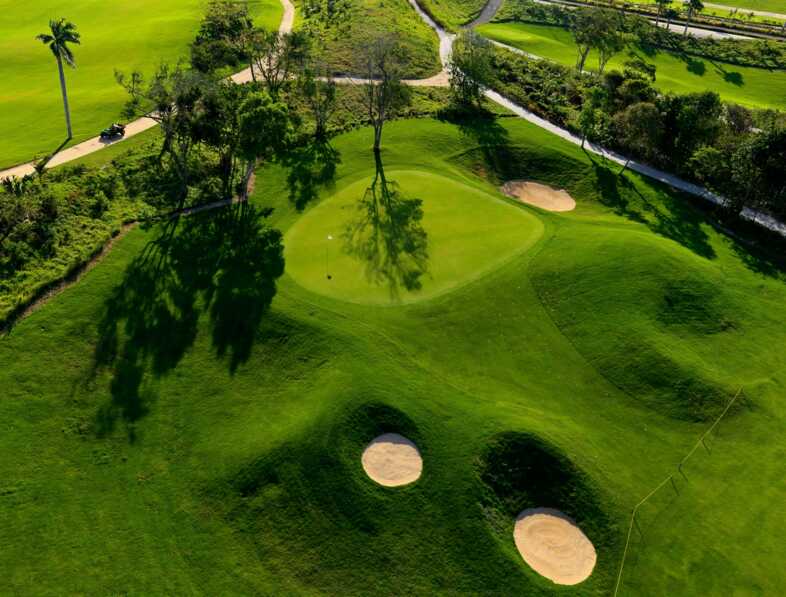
column 164, row 433
column 754, row 87
column 121, row 34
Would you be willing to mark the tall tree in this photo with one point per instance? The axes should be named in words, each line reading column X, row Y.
column 275, row 57
column 638, row 129
column 62, row 33
column 662, row 4
column 692, row 7
column 318, row 89
column 470, row 67
column 385, row 93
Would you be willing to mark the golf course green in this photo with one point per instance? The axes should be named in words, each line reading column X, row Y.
column 115, row 35
column 183, row 420
column 754, row 87
column 423, row 236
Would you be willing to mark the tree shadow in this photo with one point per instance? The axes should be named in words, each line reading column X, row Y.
column 224, row 263
column 670, row 215
column 388, row 236
column 311, row 166
column 695, row 66
column 733, row 77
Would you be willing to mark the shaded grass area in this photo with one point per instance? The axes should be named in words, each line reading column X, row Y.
column 122, row 35
column 755, row 87
column 242, row 475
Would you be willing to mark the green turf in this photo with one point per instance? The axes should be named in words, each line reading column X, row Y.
column 120, row 34
column 398, row 250
column 752, row 87
column 162, row 435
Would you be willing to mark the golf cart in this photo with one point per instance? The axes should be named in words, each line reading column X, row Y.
column 113, row 130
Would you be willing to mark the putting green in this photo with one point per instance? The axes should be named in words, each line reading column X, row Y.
column 423, row 236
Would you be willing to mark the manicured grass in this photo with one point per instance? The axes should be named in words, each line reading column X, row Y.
column 759, row 88
column 121, row 34
column 163, row 435
column 430, row 236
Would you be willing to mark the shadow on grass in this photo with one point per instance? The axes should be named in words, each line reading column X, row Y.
column 665, row 214
column 223, row 263
column 311, row 167
column 387, row 235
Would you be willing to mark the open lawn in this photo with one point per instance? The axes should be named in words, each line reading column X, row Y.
column 119, row 34
column 165, row 433
column 453, row 13
column 754, row 87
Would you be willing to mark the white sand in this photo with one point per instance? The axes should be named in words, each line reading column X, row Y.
column 392, row 460
column 539, row 195
column 554, row 546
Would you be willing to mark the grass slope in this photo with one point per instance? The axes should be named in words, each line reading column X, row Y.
column 453, row 14
column 191, row 443
column 753, row 87
column 123, row 35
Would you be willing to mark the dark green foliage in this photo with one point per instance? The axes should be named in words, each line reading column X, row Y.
column 219, row 42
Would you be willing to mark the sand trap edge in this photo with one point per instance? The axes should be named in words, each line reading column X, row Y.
column 392, row 460
column 539, row 195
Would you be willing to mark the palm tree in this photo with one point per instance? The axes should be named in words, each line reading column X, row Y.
column 661, row 5
column 63, row 33
column 693, row 6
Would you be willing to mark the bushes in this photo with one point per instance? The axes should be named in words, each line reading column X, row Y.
column 219, row 41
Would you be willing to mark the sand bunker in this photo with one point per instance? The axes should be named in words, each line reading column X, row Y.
column 554, row 546
column 392, row 460
column 539, row 195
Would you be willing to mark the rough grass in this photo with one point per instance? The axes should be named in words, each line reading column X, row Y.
column 186, row 466
column 347, row 34
column 754, row 87
column 123, row 35
column 453, row 14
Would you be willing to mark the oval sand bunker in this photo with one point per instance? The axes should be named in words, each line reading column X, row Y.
column 554, row 546
column 392, row 460
column 539, row 195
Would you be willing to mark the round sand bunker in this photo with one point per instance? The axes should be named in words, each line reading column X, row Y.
column 392, row 460
column 539, row 195
column 554, row 546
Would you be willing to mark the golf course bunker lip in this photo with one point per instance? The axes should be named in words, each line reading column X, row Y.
column 539, row 195
column 554, row 546
column 392, row 460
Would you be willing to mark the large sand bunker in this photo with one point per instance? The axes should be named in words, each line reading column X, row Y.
column 392, row 460
column 554, row 546
column 539, row 195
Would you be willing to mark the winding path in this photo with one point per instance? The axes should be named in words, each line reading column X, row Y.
column 439, row 80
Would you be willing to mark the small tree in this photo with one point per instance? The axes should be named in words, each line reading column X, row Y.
column 470, row 68
column 275, row 58
column 584, row 36
column 670, row 14
column 638, row 129
column 384, row 92
column 62, row 33
column 610, row 38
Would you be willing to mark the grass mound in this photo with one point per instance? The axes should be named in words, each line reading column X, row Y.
column 521, row 471
column 658, row 322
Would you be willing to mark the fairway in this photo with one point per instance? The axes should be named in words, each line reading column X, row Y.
column 754, row 87
column 120, row 35
column 432, row 235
